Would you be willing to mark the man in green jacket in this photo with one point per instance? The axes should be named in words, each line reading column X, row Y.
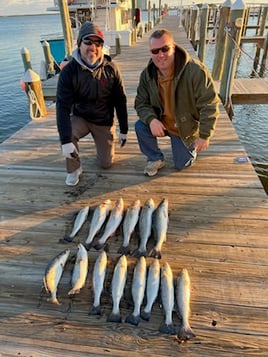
column 176, row 97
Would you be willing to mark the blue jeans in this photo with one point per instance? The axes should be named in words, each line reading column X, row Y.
column 182, row 156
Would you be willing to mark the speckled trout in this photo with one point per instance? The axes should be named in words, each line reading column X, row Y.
column 78, row 223
column 80, row 270
column 183, row 304
column 145, row 227
column 113, row 223
column 167, row 297
column 160, row 226
column 98, row 277
column 53, row 274
column 152, row 288
column 129, row 224
column 138, row 289
column 99, row 216
column 118, row 286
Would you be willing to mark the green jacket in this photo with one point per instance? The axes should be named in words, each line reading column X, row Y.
column 195, row 97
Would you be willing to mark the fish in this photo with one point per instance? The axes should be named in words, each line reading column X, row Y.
column 78, row 223
column 98, row 277
column 138, row 289
column 129, row 224
column 118, row 286
column 183, row 305
column 99, row 216
column 167, row 297
column 152, row 288
column 145, row 227
column 53, row 274
column 80, row 270
column 113, row 223
column 160, row 226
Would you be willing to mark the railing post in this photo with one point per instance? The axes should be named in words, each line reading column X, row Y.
column 203, row 32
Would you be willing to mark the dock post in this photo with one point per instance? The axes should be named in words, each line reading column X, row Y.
column 232, row 51
column 264, row 57
column 203, row 32
column 26, row 58
column 118, row 44
column 195, row 13
column 66, row 27
column 50, row 70
column 221, row 40
column 260, row 33
column 35, row 94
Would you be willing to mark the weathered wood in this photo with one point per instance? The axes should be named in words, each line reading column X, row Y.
column 218, row 226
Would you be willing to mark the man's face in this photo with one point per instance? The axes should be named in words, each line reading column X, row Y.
column 162, row 52
column 91, row 49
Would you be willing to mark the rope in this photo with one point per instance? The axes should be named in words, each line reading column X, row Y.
column 35, row 109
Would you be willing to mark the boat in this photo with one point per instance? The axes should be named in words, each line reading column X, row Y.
column 113, row 16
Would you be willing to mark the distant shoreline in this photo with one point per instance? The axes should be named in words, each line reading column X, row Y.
column 44, row 13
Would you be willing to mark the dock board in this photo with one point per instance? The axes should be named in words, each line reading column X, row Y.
column 218, row 225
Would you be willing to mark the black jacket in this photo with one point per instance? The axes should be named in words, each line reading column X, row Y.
column 91, row 94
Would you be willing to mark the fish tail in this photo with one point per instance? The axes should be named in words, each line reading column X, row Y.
column 73, row 292
column 87, row 246
column 95, row 310
column 145, row 315
column 124, row 250
column 133, row 320
column 155, row 253
column 98, row 246
column 114, row 317
column 54, row 300
column 65, row 240
column 139, row 253
column 167, row 328
column 185, row 333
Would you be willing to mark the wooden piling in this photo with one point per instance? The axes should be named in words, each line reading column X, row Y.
column 264, row 57
column 66, row 27
column 26, row 58
column 35, row 94
column 203, row 32
column 48, row 59
column 194, row 18
column 221, row 40
column 232, row 52
column 260, row 33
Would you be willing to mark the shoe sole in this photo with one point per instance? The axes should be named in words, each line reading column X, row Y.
column 154, row 174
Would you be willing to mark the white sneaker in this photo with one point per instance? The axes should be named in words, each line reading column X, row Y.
column 152, row 167
column 72, row 179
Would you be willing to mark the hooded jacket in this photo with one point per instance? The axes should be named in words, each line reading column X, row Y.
column 196, row 103
column 93, row 94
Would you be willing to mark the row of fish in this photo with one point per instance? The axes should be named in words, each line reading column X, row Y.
column 147, row 218
column 143, row 285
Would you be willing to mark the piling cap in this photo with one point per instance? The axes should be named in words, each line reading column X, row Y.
column 89, row 29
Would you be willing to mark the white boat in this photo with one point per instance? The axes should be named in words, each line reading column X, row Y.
column 113, row 16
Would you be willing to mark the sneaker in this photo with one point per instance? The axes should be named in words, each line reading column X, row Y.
column 152, row 167
column 72, row 179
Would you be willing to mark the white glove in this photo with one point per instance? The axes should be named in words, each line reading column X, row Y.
column 122, row 139
column 69, row 150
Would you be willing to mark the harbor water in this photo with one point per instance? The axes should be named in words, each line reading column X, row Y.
column 17, row 32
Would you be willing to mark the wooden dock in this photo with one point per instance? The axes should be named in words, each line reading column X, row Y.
column 217, row 229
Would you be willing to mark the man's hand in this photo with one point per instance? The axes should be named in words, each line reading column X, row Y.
column 157, row 128
column 122, row 139
column 201, row 144
column 69, row 150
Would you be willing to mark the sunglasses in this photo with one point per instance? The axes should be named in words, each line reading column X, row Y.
column 97, row 43
column 163, row 49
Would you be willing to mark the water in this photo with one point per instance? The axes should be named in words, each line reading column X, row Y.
column 250, row 121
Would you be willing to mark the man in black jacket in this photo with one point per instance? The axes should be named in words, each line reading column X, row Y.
column 90, row 89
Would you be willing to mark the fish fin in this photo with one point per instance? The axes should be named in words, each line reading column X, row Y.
column 145, row 315
column 167, row 328
column 133, row 320
column 124, row 250
column 95, row 310
column 114, row 318
column 185, row 333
